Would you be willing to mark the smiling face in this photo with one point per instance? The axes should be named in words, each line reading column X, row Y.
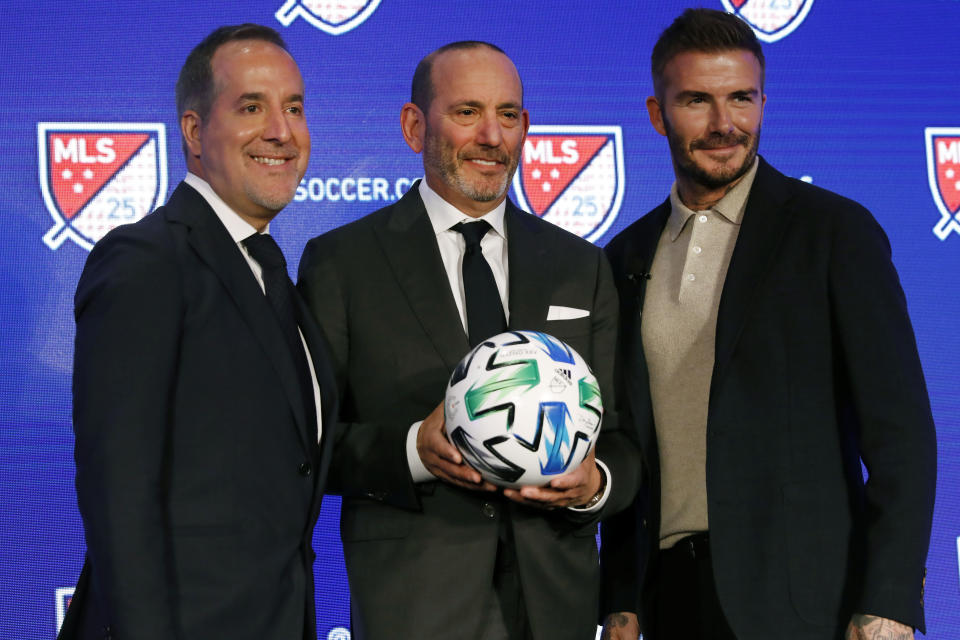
column 253, row 146
column 473, row 134
column 710, row 110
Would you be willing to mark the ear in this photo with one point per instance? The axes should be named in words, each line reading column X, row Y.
column 190, row 130
column 413, row 123
column 656, row 115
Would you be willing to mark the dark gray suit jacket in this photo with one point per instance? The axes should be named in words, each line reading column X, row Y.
column 198, row 477
column 816, row 367
column 420, row 557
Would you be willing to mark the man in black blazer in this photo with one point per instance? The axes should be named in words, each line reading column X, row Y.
column 765, row 351
column 199, row 464
column 431, row 550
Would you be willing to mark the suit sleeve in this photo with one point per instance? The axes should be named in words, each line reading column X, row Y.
column 615, row 446
column 369, row 459
column 889, row 398
column 128, row 309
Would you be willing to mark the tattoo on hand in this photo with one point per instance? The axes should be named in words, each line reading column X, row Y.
column 864, row 627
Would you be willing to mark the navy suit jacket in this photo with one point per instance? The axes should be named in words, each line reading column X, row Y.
column 816, row 369
column 420, row 557
column 199, row 479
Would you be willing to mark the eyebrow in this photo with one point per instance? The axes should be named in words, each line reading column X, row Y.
column 707, row 94
column 479, row 105
column 256, row 96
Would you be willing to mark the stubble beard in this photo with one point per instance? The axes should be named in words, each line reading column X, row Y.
column 686, row 165
column 439, row 155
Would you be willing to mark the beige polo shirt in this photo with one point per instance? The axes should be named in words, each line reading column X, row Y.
column 679, row 330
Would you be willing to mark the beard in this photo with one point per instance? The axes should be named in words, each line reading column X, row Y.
column 438, row 154
column 687, row 166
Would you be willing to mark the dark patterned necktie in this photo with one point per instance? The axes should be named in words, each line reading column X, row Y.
column 485, row 316
column 280, row 295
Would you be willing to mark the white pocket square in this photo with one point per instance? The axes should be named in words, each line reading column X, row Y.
column 557, row 312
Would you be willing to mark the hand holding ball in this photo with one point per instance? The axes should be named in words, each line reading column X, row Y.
column 522, row 408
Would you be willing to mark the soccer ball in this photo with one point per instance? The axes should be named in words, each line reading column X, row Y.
column 523, row 407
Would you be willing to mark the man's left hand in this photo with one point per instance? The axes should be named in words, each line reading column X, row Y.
column 863, row 627
column 572, row 489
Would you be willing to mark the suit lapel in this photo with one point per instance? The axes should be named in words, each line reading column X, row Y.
column 639, row 250
column 530, row 263
column 213, row 244
column 765, row 221
column 409, row 243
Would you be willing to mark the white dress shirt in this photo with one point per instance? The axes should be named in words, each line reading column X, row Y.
column 443, row 216
column 239, row 229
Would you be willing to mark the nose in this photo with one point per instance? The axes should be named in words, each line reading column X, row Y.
column 275, row 127
column 720, row 120
column 489, row 133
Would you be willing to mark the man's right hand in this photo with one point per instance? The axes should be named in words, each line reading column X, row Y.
column 442, row 459
column 621, row 626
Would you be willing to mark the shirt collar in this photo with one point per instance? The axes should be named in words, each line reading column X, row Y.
column 238, row 228
column 731, row 206
column 444, row 215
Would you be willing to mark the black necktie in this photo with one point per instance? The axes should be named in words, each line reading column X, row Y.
column 280, row 294
column 484, row 310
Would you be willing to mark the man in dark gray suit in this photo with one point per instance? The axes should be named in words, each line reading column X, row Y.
column 432, row 550
column 196, row 411
column 766, row 351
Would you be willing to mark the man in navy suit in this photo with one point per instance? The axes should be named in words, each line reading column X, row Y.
column 201, row 384
column 765, row 352
column 431, row 551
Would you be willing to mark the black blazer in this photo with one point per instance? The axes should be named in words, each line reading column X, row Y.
column 380, row 292
column 816, row 367
column 198, row 478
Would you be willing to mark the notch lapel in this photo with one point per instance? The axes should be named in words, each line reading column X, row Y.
column 530, row 261
column 408, row 241
column 214, row 246
column 765, row 222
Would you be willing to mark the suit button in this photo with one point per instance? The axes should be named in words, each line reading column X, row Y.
column 305, row 469
column 488, row 510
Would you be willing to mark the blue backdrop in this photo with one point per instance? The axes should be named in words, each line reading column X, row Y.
column 862, row 100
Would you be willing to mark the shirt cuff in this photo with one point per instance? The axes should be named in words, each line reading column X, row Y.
column 418, row 472
column 606, row 491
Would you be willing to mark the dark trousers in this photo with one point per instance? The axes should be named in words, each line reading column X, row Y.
column 686, row 605
column 506, row 616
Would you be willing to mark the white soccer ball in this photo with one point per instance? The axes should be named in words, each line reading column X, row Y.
column 523, row 407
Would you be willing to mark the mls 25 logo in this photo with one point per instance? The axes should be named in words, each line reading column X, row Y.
column 572, row 176
column 95, row 176
column 330, row 16
column 943, row 174
column 771, row 19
